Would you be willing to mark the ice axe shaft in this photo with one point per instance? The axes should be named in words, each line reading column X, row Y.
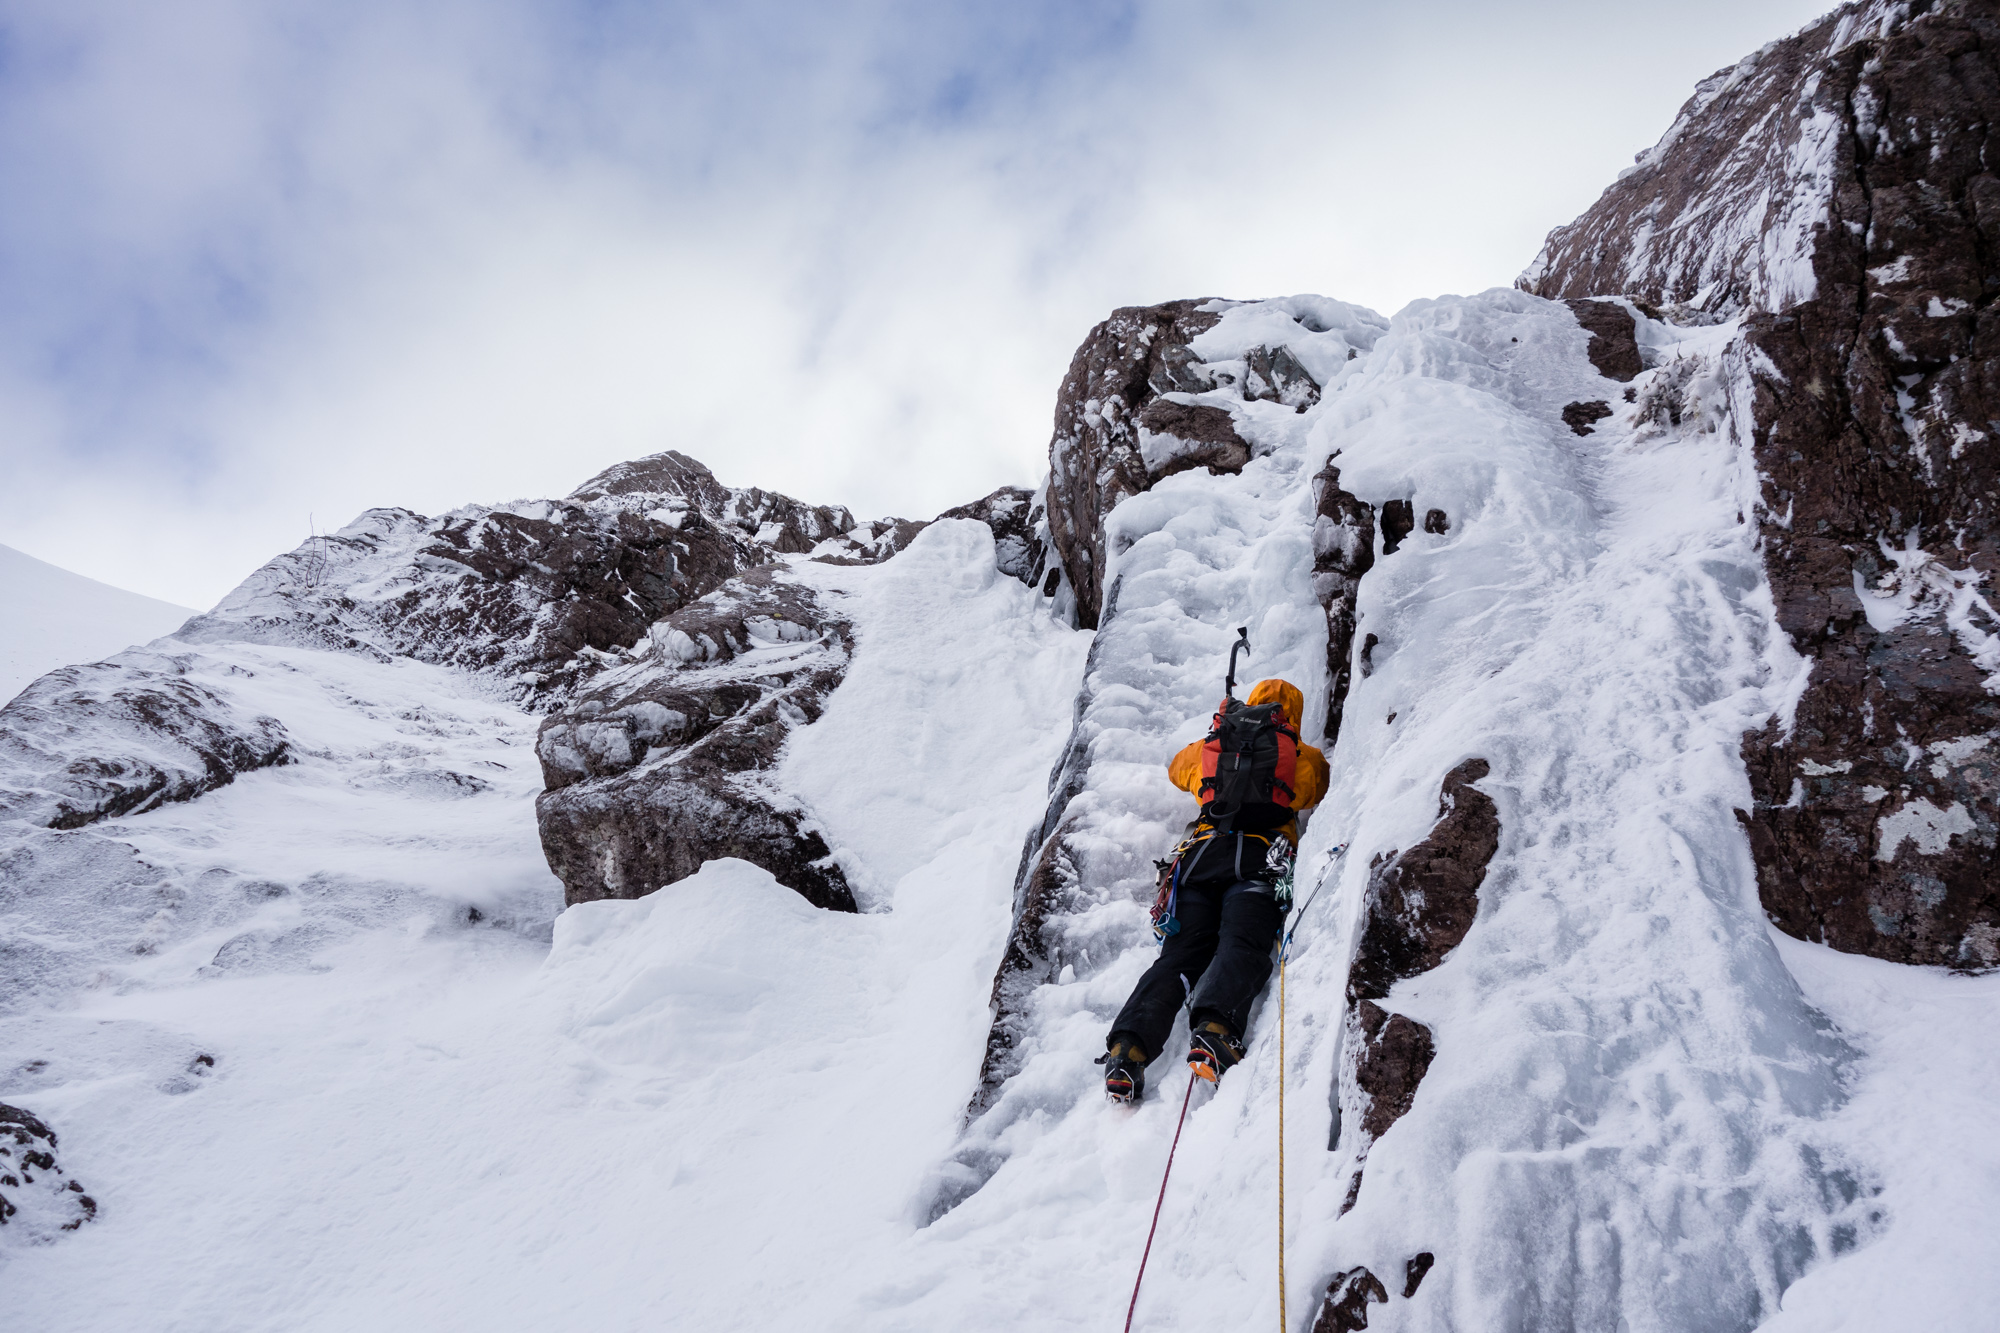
column 1242, row 645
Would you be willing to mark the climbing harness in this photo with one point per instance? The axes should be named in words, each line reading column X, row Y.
column 1279, row 855
column 1284, row 1320
column 1156, row 1205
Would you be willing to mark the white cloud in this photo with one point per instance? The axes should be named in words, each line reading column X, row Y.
column 306, row 260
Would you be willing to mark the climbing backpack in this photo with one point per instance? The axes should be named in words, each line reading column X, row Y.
column 1250, row 757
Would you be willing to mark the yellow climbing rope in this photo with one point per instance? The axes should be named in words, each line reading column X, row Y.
column 1284, row 1323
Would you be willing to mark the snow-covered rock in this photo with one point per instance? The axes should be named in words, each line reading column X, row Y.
column 536, row 597
column 38, row 1199
column 122, row 736
column 1836, row 189
column 1156, row 390
column 665, row 763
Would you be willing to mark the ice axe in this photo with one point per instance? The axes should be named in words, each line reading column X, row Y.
column 1242, row 645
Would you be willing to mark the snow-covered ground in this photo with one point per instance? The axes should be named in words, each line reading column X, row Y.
column 699, row 1108
column 719, row 1108
column 50, row 617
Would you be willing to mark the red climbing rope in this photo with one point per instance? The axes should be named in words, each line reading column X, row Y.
column 1156, row 1205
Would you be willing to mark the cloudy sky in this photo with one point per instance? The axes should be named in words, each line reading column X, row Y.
column 264, row 265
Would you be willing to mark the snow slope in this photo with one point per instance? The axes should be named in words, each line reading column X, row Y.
column 411, row 1124
column 50, row 617
column 718, row 1108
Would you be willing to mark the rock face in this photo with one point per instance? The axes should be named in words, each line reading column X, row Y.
column 1420, row 903
column 38, row 1200
column 1020, row 522
column 1127, row 416
column 665, row 760
column 1418, row 907
column 535, row 593
column 1127, row 361
column 662, row 765
column 540, row 596
column 1343, row 550
column 1835, row 192
column 1614, row 342
column 1348, row 1296
column 85, row 743
column 1344, row 1308
column 1392, row 1057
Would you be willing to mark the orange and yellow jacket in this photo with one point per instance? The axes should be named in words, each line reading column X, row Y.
column 1308, row 781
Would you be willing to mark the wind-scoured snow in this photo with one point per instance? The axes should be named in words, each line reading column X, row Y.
column 432, row 1102
column 50, row 617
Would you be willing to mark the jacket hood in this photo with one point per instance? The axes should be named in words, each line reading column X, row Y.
column 1283, row 693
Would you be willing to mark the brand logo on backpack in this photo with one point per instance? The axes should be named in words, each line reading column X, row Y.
column 1250, row 757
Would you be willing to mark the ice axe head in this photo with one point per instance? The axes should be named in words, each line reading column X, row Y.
column 1242, row 645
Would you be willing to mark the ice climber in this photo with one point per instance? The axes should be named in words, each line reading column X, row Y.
column 1225, row 890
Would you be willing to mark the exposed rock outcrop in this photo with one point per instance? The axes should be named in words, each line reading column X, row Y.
column 662, row 765
column 1418, row 906
column 541, row 594
column 1614, row 342
column 1344, row 1307
column 664, row 762
column 1836, row 190
column 1095, row 460
column 38, row 1199
column 1393, row 1056
column 1582, row 417
column 1126, row 417
column 1420, row 903
column 1348, row 1296
column 1020, row 523
column 85, row 743
column 1343, row 550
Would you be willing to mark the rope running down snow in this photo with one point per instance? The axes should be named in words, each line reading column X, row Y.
column 1284, row 1322
column 1156, row 1205
column 1284, row 949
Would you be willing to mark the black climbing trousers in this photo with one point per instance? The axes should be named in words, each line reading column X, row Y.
column 1218, row 961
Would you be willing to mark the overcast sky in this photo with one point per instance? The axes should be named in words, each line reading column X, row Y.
column 266, row 264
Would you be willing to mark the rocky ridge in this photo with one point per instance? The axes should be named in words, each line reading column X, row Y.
column 1833, row 194
column 538, row 597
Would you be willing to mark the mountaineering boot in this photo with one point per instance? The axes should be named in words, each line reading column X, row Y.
column 1124, row 1072
column 1212, row 1050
